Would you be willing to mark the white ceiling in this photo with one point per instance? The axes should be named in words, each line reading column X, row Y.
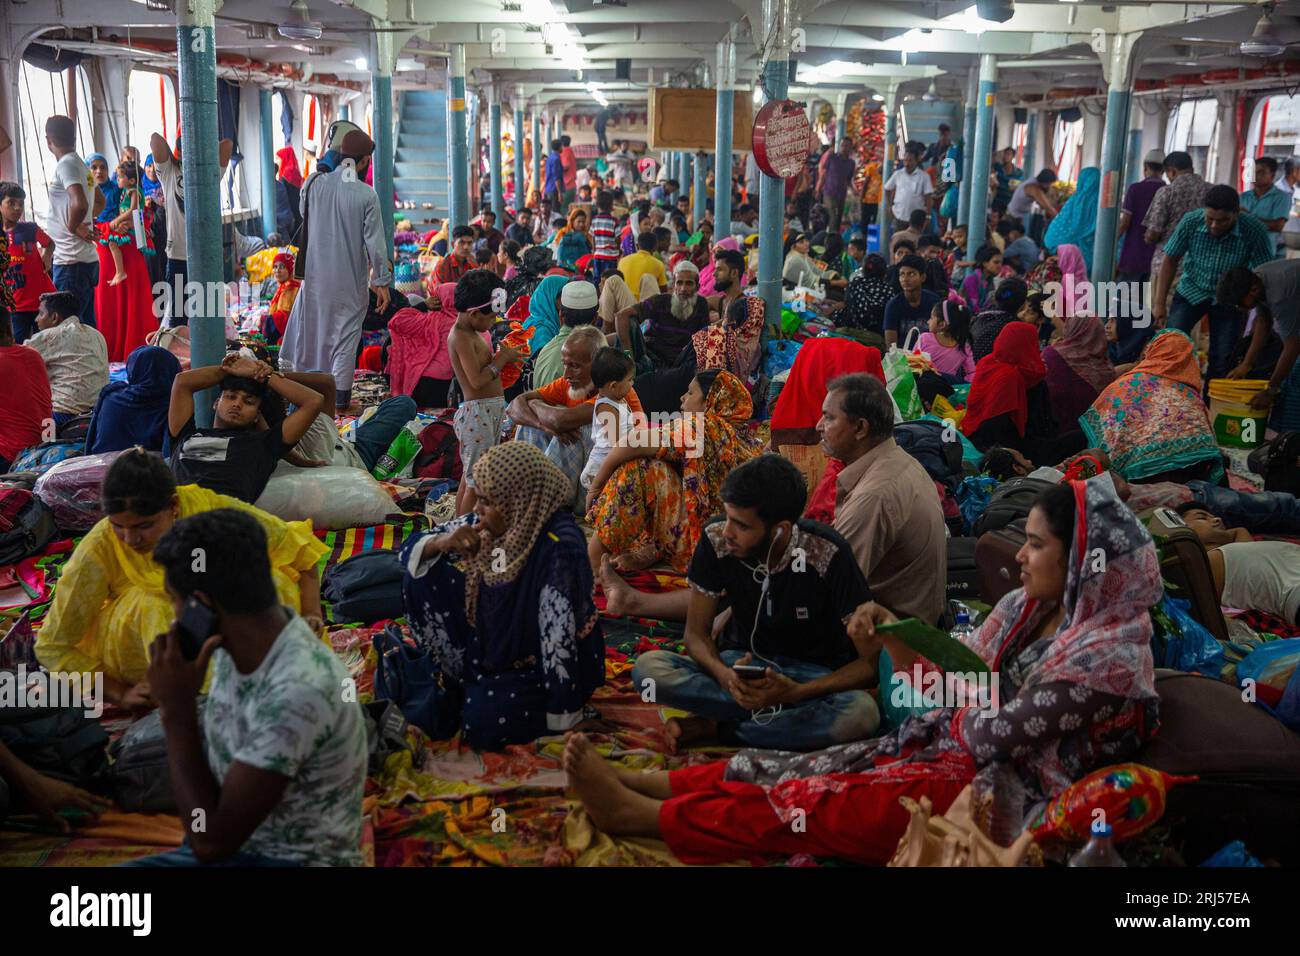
column 1044, row 46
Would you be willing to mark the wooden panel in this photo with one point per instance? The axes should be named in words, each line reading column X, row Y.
column 685, row 119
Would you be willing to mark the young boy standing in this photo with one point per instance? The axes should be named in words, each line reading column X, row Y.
column 478, row 371
column 30, row 250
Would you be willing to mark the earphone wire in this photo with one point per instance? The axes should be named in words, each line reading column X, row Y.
column 762, row 575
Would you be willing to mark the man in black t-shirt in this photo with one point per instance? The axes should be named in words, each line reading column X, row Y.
column 237, row 454
column 792, row 585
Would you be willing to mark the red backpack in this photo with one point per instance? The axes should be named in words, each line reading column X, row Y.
column 439, row 455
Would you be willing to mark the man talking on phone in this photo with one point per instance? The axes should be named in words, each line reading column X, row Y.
column 784, row 673
column 281, row 781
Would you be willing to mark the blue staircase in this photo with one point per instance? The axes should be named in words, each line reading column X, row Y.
column 420, row 166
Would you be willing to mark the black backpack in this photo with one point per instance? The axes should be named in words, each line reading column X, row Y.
column 1010, row 501
column 59, row 742
column 1276, row 462
column 924, row 442
column 28, row 532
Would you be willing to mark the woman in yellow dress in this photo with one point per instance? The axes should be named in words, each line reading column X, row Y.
column 110, row 602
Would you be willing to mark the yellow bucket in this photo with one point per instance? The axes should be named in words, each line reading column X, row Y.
column 1235, row 423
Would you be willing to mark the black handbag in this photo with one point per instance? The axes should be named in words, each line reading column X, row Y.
column 300, row 238
column 412, row 680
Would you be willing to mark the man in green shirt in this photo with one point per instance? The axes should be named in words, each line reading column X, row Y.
column 1266, row 202
column 1212, row 241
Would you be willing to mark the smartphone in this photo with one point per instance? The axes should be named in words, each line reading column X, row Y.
column 750, row 671
column 196, row 624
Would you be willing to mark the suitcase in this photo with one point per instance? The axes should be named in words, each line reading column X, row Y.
column 963, row 573
column 995, row 561
column 1185, row 564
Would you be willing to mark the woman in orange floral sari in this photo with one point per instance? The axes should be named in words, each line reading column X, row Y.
column 651, row 498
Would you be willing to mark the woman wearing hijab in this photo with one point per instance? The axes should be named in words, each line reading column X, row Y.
column 419, row 361
column 573, row 240
column 534, row 263
column 134, row 412
column 502, row 600
column 1073, row 278
column 865, row 299
column 1008, row 404
column 1078, row 367
column 733, row 345
column 650, row 499
column 1008, row 298
column 1151, row 422
column 1076, row 223
column 544, row 311
column 1072, row 651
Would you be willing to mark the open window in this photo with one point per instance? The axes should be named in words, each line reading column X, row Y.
column 151, row 108
column 1274, row 131
column 1194, row 129
column 41, row 94
column 1067, row 144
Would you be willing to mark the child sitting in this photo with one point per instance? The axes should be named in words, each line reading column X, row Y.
column 948, row 341
column 121, row 230
column 612, row 371
column 480, row 296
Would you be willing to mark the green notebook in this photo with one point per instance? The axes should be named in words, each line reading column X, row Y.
column 936, row 646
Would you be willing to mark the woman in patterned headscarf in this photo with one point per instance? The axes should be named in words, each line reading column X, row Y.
column 651, row 498
column 1071, row 650
column 534, row 653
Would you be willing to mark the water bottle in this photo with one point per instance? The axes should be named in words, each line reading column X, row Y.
column 962, row 630
column 1099, row 850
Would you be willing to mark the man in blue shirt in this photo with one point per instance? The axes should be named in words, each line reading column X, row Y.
column 1265, row 201
column 554, row 185
column 662, row 193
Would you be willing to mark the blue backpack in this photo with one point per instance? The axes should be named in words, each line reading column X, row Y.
column 41, row 458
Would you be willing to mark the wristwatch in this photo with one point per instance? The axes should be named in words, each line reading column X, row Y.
column 496, row 372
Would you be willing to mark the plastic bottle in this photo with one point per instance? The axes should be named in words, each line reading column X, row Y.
column 962, row 630
column 1099, row 851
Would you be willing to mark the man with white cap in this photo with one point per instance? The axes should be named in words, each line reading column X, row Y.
column 671, row 317
column 1135, row 256
column 578, row 303
column 347, row 255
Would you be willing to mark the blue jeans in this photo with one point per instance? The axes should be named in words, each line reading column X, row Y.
column 681, row 683
column 1259, row 512
column 374, row 437
column 79, row 278
column 1226, row 326
column 184, row 856
column 23, row 324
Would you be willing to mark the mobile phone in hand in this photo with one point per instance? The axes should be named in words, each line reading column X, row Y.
column 750, row 671
column 196, row 624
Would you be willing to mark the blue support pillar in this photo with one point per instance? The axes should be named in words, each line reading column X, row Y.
column 967, row 146
column 885, row 215
column 982, row 161
column 381, row 96
column 196, row 52
column 520, row 191
column 495, row 172
column 266, row 146
column 457, row 144
column 1031, row 145
column 701, row 191
column 722, row 172
column 688, row 175
column 539, row 150
column 771, row 203
column 1114, row 144
column 345, row 112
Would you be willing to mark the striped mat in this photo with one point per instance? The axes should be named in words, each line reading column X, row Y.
column 347, row 542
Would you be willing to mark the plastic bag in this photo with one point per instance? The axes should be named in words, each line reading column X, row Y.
column 331, row 497
column 1234, row 854
column 396, row 462
column 973, row 496
column 902, row 384
column 71, row 490
column 778, row 356
column 1182, row 643
column 1275, row 676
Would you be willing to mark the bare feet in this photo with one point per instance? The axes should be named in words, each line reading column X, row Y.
column 614, row 808
column 685, row 730
column 638, row 559
column 117, row 279
column 620, row 597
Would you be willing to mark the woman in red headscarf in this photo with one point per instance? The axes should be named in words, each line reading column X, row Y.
column 1009, row 403
column 282, row 302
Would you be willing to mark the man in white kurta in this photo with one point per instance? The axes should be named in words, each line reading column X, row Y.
column 346, row 245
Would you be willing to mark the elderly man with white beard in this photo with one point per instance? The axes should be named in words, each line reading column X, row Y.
column 670, row 318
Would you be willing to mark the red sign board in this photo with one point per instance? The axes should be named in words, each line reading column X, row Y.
column 782, row 138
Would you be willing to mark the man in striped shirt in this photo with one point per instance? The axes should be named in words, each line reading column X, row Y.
column 604, row 236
